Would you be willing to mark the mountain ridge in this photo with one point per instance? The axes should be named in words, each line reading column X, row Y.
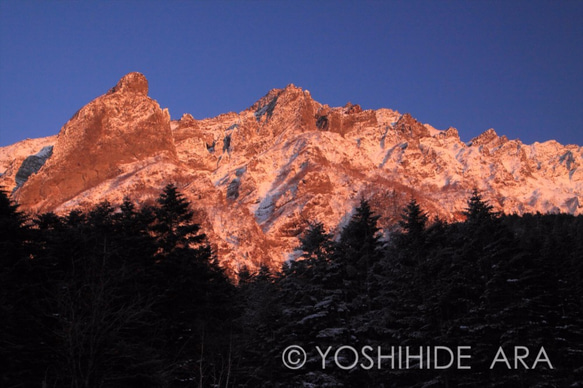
column 255, row 177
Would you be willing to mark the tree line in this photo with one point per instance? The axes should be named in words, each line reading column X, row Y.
column 120, row 296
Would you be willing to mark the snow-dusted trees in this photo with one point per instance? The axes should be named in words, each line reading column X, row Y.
column 126, row 297
column 487, row 282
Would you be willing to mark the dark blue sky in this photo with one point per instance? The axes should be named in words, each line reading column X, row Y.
column 515, row 66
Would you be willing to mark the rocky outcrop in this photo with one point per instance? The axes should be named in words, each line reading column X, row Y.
column 255, row 177
column 489, row 137
column 120, row 127
column 132, row 83
column 410, row 127
column 450, row 133
column 344, row 120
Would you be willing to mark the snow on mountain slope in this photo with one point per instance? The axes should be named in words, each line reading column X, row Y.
column 257, row 176
column 12, row 157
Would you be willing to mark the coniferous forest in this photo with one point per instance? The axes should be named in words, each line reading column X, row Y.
column 121, row 296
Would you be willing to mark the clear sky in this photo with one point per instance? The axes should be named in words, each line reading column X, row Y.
column 515, row 66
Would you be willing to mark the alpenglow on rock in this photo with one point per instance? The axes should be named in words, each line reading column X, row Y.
column 131, row 83
column 256, row 176
column 120, row 127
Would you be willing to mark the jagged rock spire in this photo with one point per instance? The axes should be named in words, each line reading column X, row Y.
column 131, row 83
column 123, row 126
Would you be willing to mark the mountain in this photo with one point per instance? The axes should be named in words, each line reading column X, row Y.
column 256, row 177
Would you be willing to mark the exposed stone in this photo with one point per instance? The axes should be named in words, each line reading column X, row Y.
column 233, row 189
column 122, row 126
column 410, row 127
column 322, row 123
column 32, row 164
column 451, row 132
column 253, row 183
column 484, row 138
column 131, row 83
column 351, row 108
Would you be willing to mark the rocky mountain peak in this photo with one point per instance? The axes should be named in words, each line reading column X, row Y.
column 484, row 138
column 451, row 132
column 121, row 127
column 256, row 176
column 131, row 83
column 410, row 127
column 488, row 140
column 351, row 108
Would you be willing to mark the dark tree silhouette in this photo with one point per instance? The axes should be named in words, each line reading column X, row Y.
column 478, row 210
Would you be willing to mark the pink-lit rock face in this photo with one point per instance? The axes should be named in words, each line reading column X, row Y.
column 120, row 127
column 131, row 83
column 256, row 176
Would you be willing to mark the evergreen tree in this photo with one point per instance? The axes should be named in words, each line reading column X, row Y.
column 14, row 232
column 117, row 299
column 20, row 330
column 478, row 210
column 135, row 297
column 315, row 242
column 358, row 249
column 361, row 234
column 173, row 224
column 307, row 307
column 259, row 324
column 193, row 293
column 413, row 222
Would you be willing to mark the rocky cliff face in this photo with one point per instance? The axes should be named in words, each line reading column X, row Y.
column 256, row 176
column 120, row 127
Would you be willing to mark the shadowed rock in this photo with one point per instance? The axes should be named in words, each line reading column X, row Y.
column 32, row 164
